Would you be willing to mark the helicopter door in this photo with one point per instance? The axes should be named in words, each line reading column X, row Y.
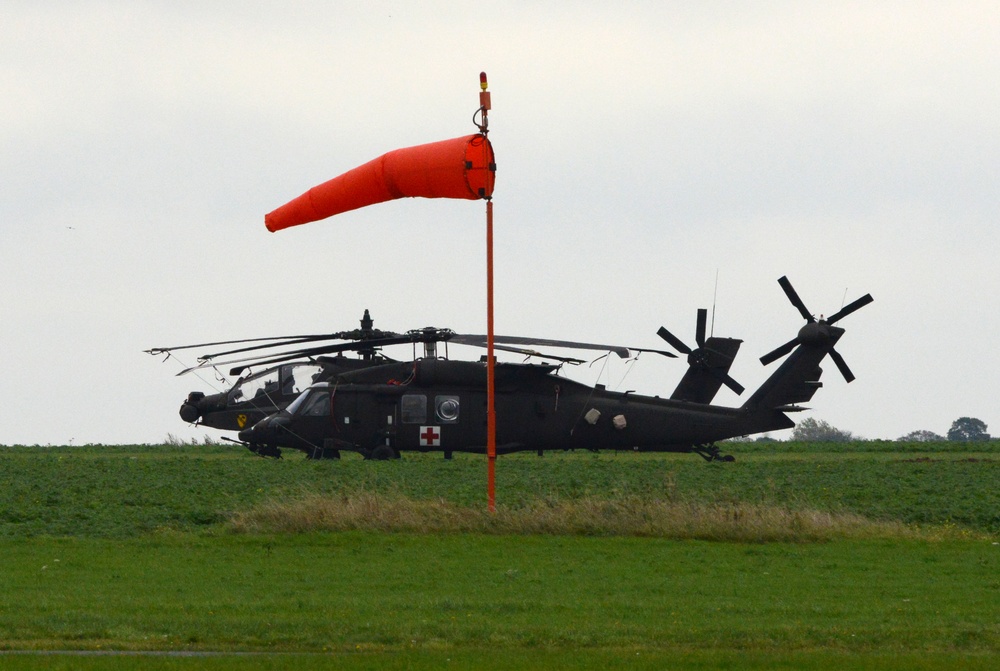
column 388, row 419
column 347, row 425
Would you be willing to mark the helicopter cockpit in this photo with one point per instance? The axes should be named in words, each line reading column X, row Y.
column 287, row 380
column 315, row 403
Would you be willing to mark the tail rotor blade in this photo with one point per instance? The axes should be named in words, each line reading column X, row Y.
column 700, row 332
column 842, row 365
column 851, row 307
column 674, row 341
column 728, row 381
column 780, row 352
column 794, row 298
column 820, row 335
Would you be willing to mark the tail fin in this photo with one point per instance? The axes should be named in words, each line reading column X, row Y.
column 796, row 380
column 707, row 373
column 708, row 364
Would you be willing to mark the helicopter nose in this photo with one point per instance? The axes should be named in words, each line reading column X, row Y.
column 263, row 432
column 190, row 409
column 198, row 407
column 258, row 433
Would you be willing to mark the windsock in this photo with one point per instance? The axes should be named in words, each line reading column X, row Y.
column 460, row 168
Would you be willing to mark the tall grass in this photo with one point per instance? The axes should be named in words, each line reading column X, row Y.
column 627, row 516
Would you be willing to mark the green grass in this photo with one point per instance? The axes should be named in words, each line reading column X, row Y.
column 582, row 660
column 135, row 548
column 121, row 492
column 392, row 592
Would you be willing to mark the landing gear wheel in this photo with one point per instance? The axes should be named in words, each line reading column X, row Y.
column 264, row 450
column 323, row 453
column 382, row 453
column 711, row 453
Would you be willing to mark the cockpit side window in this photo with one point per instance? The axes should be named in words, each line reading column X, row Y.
column 317, row 405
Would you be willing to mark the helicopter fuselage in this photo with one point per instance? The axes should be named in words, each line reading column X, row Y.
column 441, row 406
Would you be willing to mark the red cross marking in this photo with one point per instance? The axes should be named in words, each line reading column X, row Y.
column 429, row 436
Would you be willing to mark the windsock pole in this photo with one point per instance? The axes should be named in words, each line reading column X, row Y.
column 491, row 415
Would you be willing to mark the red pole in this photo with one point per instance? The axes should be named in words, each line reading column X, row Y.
column 491, row 415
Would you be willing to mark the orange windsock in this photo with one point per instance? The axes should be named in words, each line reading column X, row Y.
column 460, row 168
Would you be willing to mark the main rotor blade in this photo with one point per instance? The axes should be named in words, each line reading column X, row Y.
column 842, row 365
column 530, row 352
column 267, row 359
column 161, row 350
column 779, row 352
column 276, row 341
column 654, row 351
column 674, row 341
column 699, row 334
column 480, row 340
column 341, row 335
column 851, row 307
column 794, row 298
column 285, row 358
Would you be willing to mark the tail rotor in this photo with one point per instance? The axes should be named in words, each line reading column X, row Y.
column 704, row 357
column 815, row 332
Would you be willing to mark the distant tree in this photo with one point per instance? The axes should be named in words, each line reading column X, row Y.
column 968, row 429
column 819, row 431
column 921, row 436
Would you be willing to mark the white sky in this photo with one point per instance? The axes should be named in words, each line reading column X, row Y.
column 642, row 148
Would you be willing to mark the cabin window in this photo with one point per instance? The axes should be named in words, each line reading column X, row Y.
column 413, row 408
column 446, row 409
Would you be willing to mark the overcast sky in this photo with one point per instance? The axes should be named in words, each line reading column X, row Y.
column 643, row 150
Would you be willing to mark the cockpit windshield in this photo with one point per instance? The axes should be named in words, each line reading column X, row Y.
column 269, row 385
column 259, row 388
column 311, row 400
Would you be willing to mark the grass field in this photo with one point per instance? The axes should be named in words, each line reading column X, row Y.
column 147, row 549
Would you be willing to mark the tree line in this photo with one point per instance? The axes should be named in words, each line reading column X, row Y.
column 968, row 429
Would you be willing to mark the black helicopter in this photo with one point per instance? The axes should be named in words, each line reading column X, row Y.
column 384, row 407
column 256, row 395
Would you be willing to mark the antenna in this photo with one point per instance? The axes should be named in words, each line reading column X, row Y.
column 715, row 297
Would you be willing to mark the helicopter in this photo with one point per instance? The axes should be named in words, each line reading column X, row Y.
column 255, row 395
column 384, row 407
